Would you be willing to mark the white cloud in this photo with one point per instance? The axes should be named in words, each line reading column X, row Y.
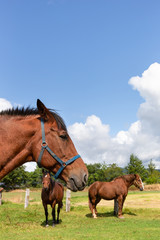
column 4, row 104
column 91, row 138
column 30, row 166
column 94, row 143
column 148, row 84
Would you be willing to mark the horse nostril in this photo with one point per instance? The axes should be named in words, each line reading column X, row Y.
column 85, row 178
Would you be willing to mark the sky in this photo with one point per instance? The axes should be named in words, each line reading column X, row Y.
column 97, row 62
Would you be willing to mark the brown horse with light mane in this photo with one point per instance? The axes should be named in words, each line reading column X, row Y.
column 116, row 189
column 52, row 194
column 40, row 135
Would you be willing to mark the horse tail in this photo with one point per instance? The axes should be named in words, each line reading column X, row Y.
column 90, row 200
column 90, row 203
column 92, row 194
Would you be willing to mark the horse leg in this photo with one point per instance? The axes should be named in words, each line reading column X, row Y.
column 124, row 197
column 46, row 214
column 94, row 212
column 98, row 199
column 120, row 206
column 53, row 216
column 94, row 204
column 90, row 203
column 53, row 213
column 58, row 212
column 93, row 209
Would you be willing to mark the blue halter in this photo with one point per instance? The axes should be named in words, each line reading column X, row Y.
column 45, row 146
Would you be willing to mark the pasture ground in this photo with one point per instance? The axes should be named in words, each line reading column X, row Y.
column 141, row 222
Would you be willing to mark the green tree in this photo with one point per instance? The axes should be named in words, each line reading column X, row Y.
column 96, row 172
column 151, row 167
column 112, row 171
column 16, row 179
column 35, row 178
column 153, row 174
column 102, row 172
column 135, row 166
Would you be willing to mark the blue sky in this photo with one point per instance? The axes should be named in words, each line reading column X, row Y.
column 78, row 56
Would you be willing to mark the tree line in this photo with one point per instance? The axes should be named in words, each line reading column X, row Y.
column 19, row 178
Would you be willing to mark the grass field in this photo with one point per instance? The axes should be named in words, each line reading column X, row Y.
column 141, row 212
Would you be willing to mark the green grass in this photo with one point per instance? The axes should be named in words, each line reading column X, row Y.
column 19, row 223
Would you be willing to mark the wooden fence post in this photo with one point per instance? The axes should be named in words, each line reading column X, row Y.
column 1, row 189
column 115, row 207
column 26, row 198
column 68, row 202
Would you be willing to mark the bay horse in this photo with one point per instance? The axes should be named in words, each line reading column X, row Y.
column 40, row 135
column 116, row 189
column 52, row 194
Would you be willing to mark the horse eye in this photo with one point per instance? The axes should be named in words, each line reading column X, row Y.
column 64, row 136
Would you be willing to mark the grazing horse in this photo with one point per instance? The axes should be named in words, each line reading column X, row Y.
column 52, row 194
column 40, row 135
column 116, row 189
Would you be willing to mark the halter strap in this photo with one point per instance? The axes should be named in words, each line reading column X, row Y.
column 45, row 146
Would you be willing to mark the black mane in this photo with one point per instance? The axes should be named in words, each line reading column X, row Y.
column 20, row 111
column 32, row 111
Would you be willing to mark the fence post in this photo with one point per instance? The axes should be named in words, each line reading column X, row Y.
column 1, row 189
column 26, row 198
column 115, row 207
column 68, row 202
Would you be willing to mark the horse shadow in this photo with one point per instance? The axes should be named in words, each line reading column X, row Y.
column 110, row 214
column 106, row 214
column 50, row 223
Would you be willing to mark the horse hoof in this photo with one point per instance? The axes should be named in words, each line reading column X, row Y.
column 47, row 225
column 53, row 225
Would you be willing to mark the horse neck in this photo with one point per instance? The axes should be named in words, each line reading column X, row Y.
column 16, row 133
column 17, row 129
column 129, row 179
column 51, row 185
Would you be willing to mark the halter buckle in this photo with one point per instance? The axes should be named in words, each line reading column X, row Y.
column 44, row 144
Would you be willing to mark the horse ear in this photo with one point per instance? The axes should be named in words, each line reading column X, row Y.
column 44, row 112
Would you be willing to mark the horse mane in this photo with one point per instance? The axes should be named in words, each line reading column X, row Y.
column 118, row 178
column 124, row 177
column 33, row 111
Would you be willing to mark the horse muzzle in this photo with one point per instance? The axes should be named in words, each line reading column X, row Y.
column 46, row 189
column 77, row 183
column 141, row 188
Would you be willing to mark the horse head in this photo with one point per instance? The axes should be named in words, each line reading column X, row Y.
column 46, row 179
column 57, row 139
column 138, row 182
